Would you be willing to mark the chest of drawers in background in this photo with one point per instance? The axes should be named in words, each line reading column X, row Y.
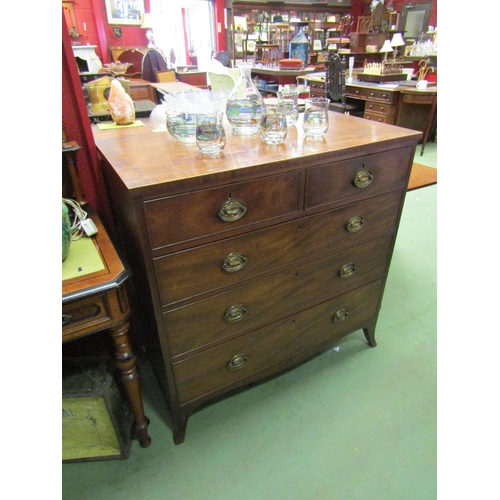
column 380, row 105
column 250, row 263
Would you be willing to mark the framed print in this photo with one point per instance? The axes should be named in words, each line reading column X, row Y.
column 69, row 15
column 125, row 12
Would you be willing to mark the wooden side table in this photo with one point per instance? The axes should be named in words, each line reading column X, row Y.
column 426, row 97
column 96, row 301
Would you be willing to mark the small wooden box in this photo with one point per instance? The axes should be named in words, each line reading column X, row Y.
column 96, row 417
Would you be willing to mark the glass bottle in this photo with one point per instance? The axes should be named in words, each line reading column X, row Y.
column 299, row 47
column 245, row 104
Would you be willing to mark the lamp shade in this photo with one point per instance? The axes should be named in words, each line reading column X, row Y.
column 387, row 47
column 397, row 40
column 147, row 21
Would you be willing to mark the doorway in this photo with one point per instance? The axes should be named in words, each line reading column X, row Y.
column 187, row 27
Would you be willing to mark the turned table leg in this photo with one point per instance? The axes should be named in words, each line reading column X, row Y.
column 125, row 361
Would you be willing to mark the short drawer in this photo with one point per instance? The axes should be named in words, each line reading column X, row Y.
column 208, row 372
column 381, row 95
column 185, row 217
column 335, row 183
column 268, row 300
column 376, row 107
column 92, row 313
column 375, row 117
column 317, row 89
column 199, row 270
column 356, row 92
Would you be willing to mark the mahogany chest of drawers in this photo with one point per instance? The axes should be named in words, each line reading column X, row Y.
column 247, row 264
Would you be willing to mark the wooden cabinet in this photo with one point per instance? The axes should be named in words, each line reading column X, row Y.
column 250, row 263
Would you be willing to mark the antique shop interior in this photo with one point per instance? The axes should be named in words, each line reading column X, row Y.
column 329, row 410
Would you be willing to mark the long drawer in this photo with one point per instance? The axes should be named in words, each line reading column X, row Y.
column 268, row 300
column 210, row 267
column 370, row 94
column 336, row 183
column 188, row 216
column 245, row 356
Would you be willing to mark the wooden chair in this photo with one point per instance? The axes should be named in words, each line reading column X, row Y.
column 364, row 24
column 152, row 62
column 167, row 75
column 335, row 84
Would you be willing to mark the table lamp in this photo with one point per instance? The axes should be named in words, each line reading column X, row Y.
column 387, row 47
column 147, row 24
column 397, row 41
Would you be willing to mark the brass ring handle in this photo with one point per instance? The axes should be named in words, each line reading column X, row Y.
column 355, row 223
column 232, row 210
column 66, row 318
column 235, row 313
column 234, row 261
column 363, row 178
column 237, row 362
column 340, row 315
column 347, row 270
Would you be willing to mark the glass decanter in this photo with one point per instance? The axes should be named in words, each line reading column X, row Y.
column 245, row 105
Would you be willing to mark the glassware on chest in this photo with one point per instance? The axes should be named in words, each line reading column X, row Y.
column 245, row 104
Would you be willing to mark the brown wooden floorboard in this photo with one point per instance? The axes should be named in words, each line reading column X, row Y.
column 421, row 176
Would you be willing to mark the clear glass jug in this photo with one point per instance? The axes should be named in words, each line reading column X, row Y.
column 245, row 104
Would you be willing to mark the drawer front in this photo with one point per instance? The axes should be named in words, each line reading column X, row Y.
column 84, row 314
column 186, row 217
column 380, row 95
column 357, row 178
column 317, row 89
column 377, row 107
column 375, row 117
column 245, row 356
column 141, row 93
column 356, row 93
column 269, row 300
column 199, row 270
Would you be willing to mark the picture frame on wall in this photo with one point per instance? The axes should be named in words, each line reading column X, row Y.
column 125, row 12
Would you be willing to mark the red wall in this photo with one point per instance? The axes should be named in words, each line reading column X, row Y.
column 76, row 122
column 100, row 33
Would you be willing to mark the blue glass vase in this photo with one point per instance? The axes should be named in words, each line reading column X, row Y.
column 299, row 47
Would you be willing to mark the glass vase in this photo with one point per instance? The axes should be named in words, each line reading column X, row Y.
column 299, row 47
column 245, row 105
